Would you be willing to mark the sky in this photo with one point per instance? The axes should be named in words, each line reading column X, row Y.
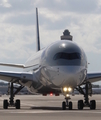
column 18, row 28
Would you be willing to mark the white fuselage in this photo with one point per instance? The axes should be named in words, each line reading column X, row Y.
column 61, row 64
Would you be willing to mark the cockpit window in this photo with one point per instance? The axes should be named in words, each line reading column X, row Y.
column 67, row 56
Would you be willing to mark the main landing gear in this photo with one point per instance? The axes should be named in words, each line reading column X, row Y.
column 86, row 93
column 11, row 102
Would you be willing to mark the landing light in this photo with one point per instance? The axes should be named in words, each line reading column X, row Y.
column 69, row 89
column 65, row 89
column 67, row 95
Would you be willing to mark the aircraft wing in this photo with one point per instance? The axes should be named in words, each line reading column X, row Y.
column 93, row 77
column 16, row 77
column 12, row 65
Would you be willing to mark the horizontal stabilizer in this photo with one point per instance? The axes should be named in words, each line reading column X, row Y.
column 12, row 65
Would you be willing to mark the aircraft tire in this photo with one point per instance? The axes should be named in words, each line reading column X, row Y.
column 70, row 105
column 80, row 104
column 63, row 105
column 17, row 104
column 92, row 104
column 5, row 104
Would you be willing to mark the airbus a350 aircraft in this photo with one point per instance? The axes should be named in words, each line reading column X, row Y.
column 59, row 69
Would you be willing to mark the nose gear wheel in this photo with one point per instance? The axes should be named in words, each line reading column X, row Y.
column 67, row 104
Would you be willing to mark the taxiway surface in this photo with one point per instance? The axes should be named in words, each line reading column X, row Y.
column 38, row 107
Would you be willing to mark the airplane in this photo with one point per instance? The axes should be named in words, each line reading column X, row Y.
column 58, row 68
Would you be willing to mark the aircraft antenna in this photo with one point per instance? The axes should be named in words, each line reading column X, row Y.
column 37, row 32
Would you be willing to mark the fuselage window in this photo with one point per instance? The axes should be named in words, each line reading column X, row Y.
column 67, row 56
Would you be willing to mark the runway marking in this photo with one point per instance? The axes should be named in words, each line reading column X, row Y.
column 48, row 111
column 72, row 101
column 28, row 104
column 36, row 111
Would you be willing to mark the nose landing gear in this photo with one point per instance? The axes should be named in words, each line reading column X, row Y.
column 67, row 104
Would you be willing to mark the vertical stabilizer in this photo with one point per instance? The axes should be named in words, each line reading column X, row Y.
column 37, row 32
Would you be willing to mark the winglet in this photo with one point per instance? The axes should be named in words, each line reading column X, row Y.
column 37, row 32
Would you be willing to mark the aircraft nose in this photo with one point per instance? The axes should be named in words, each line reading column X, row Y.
column 69, row 79
column 67, row 76
column 72, row 75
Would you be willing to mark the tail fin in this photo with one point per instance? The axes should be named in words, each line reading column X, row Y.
column 37, row 32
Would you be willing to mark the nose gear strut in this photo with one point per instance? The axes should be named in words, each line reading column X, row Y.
column 67, row 103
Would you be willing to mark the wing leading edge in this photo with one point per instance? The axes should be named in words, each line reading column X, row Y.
column 12, row 65
column 23, row 78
